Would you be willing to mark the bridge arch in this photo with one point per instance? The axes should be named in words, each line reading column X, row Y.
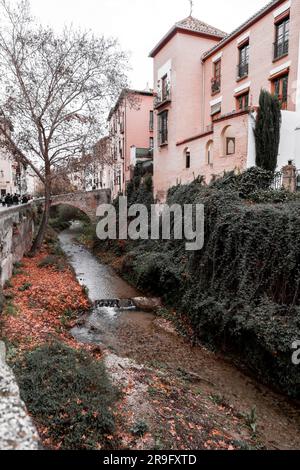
column 73, row 206
column 86, row 202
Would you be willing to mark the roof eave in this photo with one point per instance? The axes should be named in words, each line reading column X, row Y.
column 240, row 30
column 177, row 29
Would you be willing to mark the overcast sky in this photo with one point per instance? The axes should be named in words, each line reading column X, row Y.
column 140, row 24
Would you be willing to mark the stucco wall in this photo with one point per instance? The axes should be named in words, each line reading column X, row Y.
column 190, row 109
column 16, row 235
column 183, row 53
column 261, row 65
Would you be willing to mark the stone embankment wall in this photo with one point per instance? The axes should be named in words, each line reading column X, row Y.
column 17, row 431
column 16, row 235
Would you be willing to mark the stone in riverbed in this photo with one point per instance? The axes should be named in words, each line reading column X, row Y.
column 147, row 304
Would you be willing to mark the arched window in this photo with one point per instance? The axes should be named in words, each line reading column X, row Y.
column 209, row 152
column 228, row 141
column 187, row 156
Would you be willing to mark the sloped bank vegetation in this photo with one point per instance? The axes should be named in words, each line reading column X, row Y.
column 241, row 292
column 63, row 383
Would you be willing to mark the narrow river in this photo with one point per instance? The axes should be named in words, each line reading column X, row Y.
column 144, row 340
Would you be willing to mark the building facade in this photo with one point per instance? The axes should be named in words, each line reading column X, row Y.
column 131, row 124
column 207, row 87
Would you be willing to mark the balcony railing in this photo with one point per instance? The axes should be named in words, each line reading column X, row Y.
column 243, row 70
column 163, row 94
column 215, row 85
column 162, row 98
column 281, row 49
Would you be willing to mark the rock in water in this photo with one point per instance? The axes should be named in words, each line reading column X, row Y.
column 147, row 304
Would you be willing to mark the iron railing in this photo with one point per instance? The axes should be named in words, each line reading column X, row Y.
column 215, row 85
column 243, row 70
column 281, row 48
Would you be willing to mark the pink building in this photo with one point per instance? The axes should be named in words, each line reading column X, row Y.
column 131, row 130
column 207, row 88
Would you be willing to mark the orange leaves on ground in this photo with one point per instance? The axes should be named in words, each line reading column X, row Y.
column 52, row 295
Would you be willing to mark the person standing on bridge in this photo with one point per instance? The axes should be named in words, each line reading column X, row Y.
column 8, row 200
column 16, row 199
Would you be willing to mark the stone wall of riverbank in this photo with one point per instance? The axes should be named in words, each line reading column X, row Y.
column 16, row 234
column 17, row 431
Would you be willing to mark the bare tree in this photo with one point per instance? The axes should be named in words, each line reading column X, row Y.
column 55, row 90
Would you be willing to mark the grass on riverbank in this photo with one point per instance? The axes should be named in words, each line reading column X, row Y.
column 69, row 395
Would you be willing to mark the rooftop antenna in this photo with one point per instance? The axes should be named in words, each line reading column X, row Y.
column 191, row 7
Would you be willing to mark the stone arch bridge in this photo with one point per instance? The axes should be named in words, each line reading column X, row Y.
column 87, row 201
column 17, row 225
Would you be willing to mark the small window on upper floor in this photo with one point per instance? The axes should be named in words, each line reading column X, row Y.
column 280, row 89
column 163, row 128
column 242, row 101
column 215, row 111
column 151, row 121
column 216, row 80
column 187, row 158
column 165, row 88
column 282, row 34
column 243, row 66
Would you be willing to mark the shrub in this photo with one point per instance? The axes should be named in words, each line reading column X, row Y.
column 52, row 261
column 25, row 286
column 69, row 395
column 246, row 183
column 139, row 429
column 241, row 292
column 267, row 131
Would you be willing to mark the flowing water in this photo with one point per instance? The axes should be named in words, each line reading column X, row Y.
column 139, row 337
column 111, row 295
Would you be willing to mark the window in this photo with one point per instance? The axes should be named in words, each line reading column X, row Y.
column 151, row 143
column 280, row 89
column 187, row 158
column 151, row 121
column 216, row 81
column 242, row 101
column 230, row 146
column 164, row 88
column 243, row 67
column 209, row 152
column 228, row 141
column 215, row 111
column 163, row 128
column 281, row 45
column 120, row 149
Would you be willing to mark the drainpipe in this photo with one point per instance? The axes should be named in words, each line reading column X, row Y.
column 203, row 94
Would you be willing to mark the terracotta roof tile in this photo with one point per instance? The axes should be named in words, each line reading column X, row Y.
column 192, row 24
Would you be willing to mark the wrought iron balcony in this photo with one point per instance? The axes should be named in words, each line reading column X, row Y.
column 243, row 70
column 162, row 99
column 281, row 49
column 215, row 85
column 163, row 94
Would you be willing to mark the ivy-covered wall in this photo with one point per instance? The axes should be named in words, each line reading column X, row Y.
column 241, row 292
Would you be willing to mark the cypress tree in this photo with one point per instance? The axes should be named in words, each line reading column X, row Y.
column 267, row 131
